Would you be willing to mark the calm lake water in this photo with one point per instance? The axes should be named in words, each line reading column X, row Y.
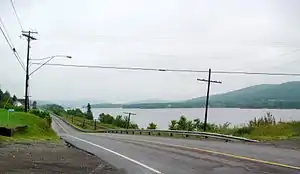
column 162, row 117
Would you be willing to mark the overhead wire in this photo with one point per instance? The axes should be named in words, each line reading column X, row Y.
column 171, row 70
column 120, row 68
column 10, row 44
column 16, row 14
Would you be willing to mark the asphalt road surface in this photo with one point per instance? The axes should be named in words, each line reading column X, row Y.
column 147, row 154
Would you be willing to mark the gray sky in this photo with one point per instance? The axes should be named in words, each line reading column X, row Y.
column 253, row 35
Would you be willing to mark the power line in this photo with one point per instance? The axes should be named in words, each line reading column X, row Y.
column 121, row 68
column 16, row 14
column 8, row 39
column 10, row 44
column 171, row 70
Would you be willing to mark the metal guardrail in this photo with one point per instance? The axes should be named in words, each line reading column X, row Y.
column 170, row 132
column 186, row 133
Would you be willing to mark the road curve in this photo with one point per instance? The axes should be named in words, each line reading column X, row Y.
column 147, row 154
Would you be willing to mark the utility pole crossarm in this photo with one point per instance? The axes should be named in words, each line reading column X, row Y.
column 29, row 37
column 211, row 81
column 129, row 113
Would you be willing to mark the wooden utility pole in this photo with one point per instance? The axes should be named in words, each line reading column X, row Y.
column 29, row 38
column 128, row 121
column 207, row 95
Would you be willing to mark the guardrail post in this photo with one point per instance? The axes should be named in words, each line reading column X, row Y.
column 121, row 132
column 72, row 118
column 171, row 134
column 186, row 135
column 95, row 124
column 149, row 133
column 126, row 132
column 132, row 132
column 140, row 133
column 83, row 123
column 158, row 134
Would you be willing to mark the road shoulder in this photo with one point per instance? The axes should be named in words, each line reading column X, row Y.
column 50, row 158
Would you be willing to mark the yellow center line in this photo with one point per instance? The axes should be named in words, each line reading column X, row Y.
column 209, row 151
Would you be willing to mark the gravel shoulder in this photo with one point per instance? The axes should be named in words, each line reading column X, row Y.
column 50, row 158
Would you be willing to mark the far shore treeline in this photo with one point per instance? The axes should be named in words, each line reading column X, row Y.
column 277, row 96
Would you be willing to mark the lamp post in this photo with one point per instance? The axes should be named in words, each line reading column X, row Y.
column 28, row 74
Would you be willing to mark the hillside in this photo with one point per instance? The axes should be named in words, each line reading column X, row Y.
column 285, row 96
column 106, row 105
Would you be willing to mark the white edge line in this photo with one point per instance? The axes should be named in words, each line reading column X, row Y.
column 116, row 153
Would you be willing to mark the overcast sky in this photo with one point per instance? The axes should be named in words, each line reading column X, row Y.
column 229, row 35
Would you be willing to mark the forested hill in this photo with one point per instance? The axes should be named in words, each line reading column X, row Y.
column 285, row 96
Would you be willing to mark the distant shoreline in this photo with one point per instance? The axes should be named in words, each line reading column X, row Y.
column 196, row 108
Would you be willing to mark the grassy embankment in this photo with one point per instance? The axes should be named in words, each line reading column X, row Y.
column 38, row 129
column 278, row 131
column 264, row 128
column 84, row 123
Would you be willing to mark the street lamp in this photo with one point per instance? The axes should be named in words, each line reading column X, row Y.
column 29, row 74
column 49, row 59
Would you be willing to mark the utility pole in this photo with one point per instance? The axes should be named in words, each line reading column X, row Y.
column 29, row 38
column 128, row 121
column 207, row 95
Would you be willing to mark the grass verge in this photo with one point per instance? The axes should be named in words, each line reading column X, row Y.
column 38, row 128
column 83, row 123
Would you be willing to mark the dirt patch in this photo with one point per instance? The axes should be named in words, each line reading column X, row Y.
column 50, row 158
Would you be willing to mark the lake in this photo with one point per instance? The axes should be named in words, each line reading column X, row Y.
column 162, row 117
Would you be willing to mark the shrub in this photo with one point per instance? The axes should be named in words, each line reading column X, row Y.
column 242, row 131
column 39, row 113
column 19, row 108
column 106, row 118
column 152, row 126
column 172, row 125
column 267, row 119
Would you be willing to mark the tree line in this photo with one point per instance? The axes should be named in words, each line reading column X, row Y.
column 119, row 121
column 60, row 110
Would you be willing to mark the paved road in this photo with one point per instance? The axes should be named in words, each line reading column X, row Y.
column 146, row 154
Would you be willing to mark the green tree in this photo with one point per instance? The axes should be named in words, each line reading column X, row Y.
column 7, row 97
column 56, row 109
column 76, row 112
column 189, row 125
column 106, row 118
column 198, row 125
column 119, row 121
column 152, row 126
column 173, row 125
column 1, row 95
column 182, row 123
column 14, row 99
column 89, row 114
column 34, row 104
